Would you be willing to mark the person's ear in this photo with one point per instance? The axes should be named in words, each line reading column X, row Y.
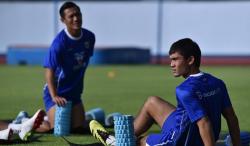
column 62, row 19
column 191, row 60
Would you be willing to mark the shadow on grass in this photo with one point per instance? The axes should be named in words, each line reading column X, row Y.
column 19, row 141
column 36, row 139
column 74, row 144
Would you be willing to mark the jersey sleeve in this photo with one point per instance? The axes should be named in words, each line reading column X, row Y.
column 52, row 59
column 225, row 96
column 191, row 103
column 92, row 45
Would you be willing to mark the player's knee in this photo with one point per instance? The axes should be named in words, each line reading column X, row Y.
column 45, row 127
column 152, row 101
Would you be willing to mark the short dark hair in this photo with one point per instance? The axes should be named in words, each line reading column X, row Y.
column 67, row 5
column 187, row 48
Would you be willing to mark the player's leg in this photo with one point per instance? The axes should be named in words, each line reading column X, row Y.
column 154, row 109
column 30, row 125
column 26, row 128
column 5, row 132
column 50, row 107
column 79, row 123
column 48, row 124
column 77, row 120
column 141, row 141
column 3, row 125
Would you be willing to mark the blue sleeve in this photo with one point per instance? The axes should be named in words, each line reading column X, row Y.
column 225, row 97
column 191, row 103
column 92, row 45
column 53, row 58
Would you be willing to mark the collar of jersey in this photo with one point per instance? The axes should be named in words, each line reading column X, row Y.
column 197, row 75
column 72, row 37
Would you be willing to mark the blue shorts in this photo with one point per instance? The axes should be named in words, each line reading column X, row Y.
column 48, row 102
column 173, row 128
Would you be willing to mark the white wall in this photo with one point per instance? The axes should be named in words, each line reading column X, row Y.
column 221, row 28
column 25, row 23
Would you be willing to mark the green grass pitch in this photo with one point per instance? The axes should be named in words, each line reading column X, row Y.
column 115, row 89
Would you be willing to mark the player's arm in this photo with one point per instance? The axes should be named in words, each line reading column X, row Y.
column 233, row 125
column 50, row 79
column 206, row 131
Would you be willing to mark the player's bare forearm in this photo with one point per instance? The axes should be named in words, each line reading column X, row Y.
column 49, row 77
column 233, row 125
column 234, row 131
column 206, row 131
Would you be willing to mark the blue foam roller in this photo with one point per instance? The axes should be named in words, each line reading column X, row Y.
column 125, row 136
column 123, row 117
column 63, row 120
column 124, row 130
column 109, row 120
column 123, row 127
column 96, row 114
column 122, row 122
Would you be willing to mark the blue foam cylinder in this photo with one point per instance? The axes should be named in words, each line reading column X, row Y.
column 109, row 120
column 63, row 119
column 124, row 130
column 97, row 114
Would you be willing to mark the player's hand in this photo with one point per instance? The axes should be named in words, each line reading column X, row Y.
column 60, row 101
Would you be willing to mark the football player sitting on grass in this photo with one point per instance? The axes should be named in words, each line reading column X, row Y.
column 22, row 125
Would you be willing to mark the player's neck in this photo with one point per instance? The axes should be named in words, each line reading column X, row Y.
column 192, row 71
column 75, row 33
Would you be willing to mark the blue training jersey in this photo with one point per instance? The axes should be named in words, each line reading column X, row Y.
column 68, row 57
column 198, row 96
